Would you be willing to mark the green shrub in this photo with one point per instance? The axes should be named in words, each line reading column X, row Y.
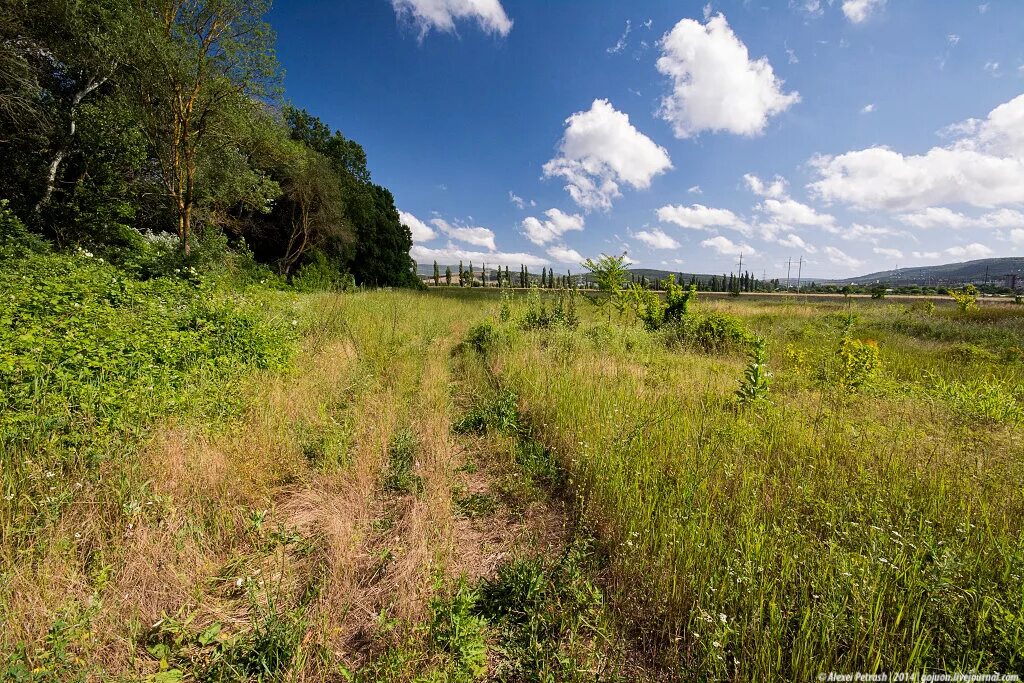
column 970, row 353
column 654, row 312
column 482, row 336
column 966, row 299
column 710, row 332
column 858, row 363
column 989, row 400
column 500, row 412
column 15, row 240
column 319, row 274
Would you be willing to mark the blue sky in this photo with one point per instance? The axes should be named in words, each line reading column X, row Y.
column 859, row 134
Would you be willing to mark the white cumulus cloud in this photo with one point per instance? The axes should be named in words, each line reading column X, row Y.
column 858, row 11
column 775, row 189
column 984, row 167
column 970, row 251
column 700, row 217
column 551, row 229
column 656, row 239
column 563, row 254
column 841, row 258
column 441, row 15
column 600, row 151
column 452, row 254
column 888, row 252
column 715, row 85
column 791, row 212
column 421, row 232
column 942, row 217
column 726, row 247
column 794, row 241
column 477, row 236
column 861, row 233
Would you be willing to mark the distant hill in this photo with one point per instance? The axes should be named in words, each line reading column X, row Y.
column 991, row 270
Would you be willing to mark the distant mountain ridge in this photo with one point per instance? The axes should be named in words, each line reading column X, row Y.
column 981, row 271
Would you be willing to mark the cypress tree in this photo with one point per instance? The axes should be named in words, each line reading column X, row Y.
column 462, row 276
column 437, row 275
column 448, row 275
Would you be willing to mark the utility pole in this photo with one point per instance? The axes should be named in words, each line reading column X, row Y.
column 789, row 268
column 799, row 272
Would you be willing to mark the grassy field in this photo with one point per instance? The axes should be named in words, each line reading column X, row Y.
column 204, row 481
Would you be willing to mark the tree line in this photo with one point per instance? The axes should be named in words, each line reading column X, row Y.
column 123, row 119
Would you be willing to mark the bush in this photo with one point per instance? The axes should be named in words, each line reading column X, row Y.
column 482, row 336
column 653, row 312
column 858, row 362
column 458, row 634
column 966, row 299
column 16, row 241
column 319, row 274
column 711, row 333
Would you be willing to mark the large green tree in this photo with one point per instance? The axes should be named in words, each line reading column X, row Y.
column 206, row 62
column 382, row 243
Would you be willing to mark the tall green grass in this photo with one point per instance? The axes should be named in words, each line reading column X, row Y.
column 870, row 527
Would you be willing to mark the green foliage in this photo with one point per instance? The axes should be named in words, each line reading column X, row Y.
column 562, row 314
column 857, row 363
column 610, row 274
column 653, row 312
column 500, row 412
column 401, row 477
column 90, row 356
column 482, row 336
column 756, row 380
column 549, row 616
column 459, row 635
column 318, row 274
column 709, row 332
column 15, row 240
column 966, row 299
column 80, row 341
column 985, row 400
column 264, row 653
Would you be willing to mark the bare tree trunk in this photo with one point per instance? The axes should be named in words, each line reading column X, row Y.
column 61, row 151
